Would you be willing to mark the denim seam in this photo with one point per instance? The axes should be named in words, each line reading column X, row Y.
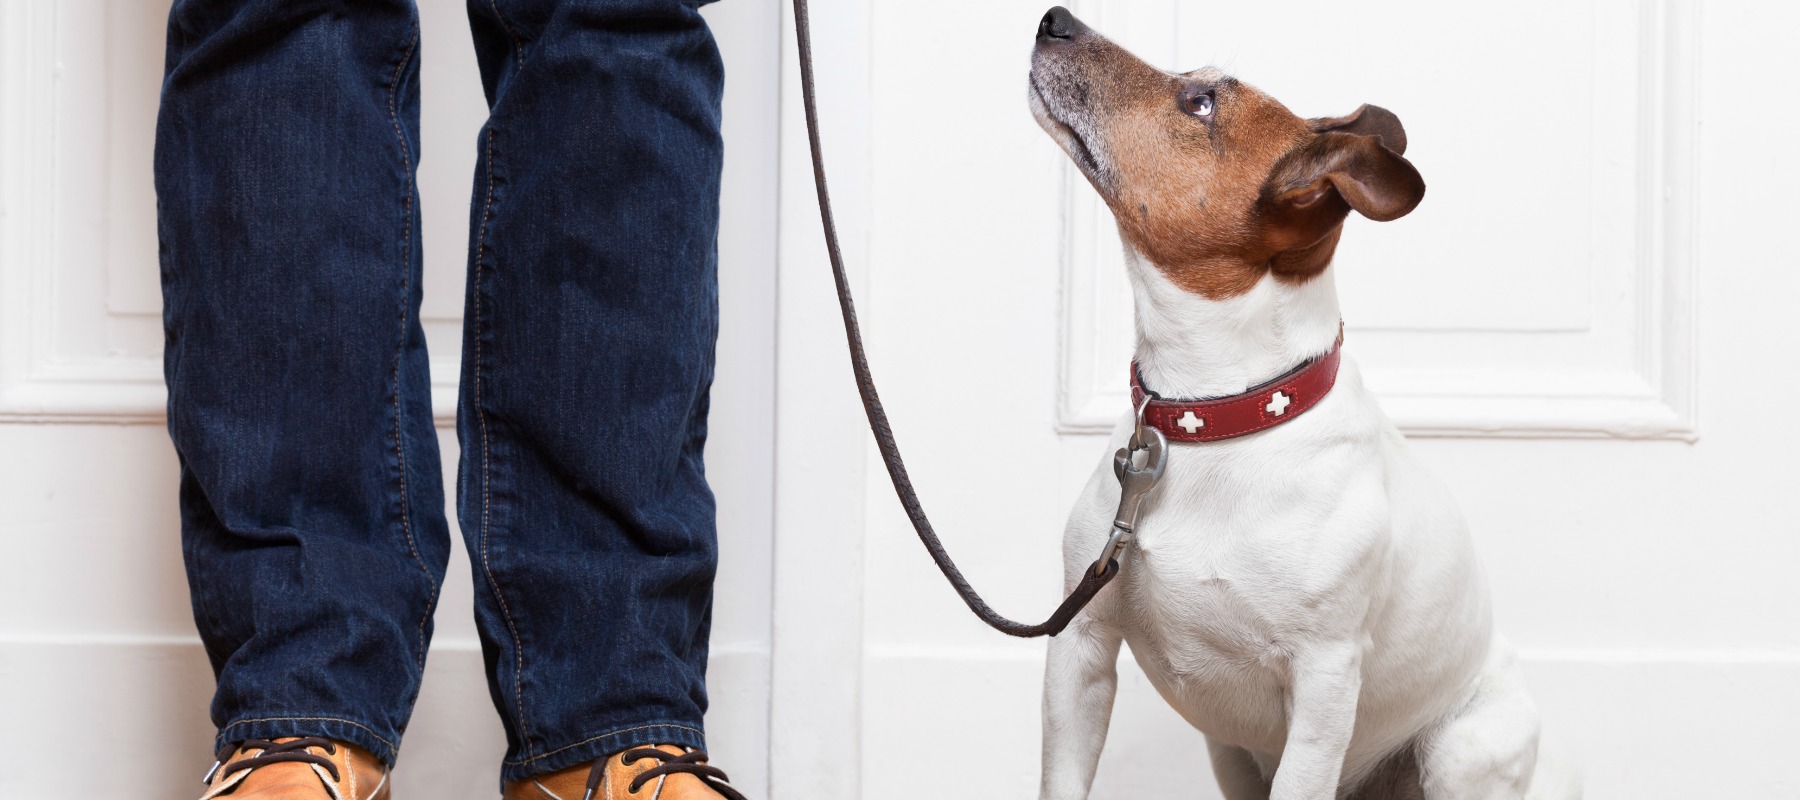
column 351, row 723
column 518, row 46
column 487, row 497
column 400, row 350
column 591, row 739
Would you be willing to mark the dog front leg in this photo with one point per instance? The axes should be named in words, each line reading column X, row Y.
column 1080, row 681
column 1322, row 714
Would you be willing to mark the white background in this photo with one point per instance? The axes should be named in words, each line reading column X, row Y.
column 1587, row 327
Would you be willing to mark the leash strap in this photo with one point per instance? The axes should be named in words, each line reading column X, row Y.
column 1093, row 578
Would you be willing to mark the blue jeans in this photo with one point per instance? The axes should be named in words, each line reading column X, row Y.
column 311, row 500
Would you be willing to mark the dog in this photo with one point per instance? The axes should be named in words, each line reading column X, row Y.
column 1306, row 594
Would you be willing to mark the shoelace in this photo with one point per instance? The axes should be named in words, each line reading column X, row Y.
column 274, row 753
column 691, row 763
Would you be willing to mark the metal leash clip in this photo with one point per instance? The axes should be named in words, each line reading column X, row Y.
column 1136, row 480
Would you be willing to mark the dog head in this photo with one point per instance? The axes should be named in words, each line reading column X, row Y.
column 1212, row 181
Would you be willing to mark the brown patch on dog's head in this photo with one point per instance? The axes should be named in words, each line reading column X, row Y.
column 1211, row 180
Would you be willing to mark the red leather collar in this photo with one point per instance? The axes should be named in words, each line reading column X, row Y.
column 1258, row 409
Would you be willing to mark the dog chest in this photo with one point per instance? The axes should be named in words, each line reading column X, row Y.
column 1218, row 597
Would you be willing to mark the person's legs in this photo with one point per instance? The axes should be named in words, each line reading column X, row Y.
column 311, row 490
column 587, row 357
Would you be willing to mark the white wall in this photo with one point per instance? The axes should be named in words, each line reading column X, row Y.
column 97, row 645
column 1604, row 242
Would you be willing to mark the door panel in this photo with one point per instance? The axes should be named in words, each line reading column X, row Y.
column 1579, row 330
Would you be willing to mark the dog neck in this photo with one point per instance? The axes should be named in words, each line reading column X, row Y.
column 1192, row 347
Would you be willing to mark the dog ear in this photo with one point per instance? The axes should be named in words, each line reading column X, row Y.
column 1366, row 120
column 1313, row 187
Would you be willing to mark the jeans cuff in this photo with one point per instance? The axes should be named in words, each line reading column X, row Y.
column 384, row 747
column 593, row 748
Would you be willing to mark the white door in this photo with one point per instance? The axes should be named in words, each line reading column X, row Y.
column 1586, row 330
column 103, row 685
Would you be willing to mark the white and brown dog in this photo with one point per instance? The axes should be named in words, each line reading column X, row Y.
column 1300, row 589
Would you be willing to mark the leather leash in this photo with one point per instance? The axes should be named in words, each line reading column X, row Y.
column 1138, row 465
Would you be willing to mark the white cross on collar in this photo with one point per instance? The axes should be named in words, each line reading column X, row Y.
column 1190, row 423
column 1278, row 403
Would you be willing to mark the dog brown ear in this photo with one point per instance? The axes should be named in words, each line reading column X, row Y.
column 1314, row 186
column 1366, row 120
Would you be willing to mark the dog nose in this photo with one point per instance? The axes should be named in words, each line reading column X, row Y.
column 1057, row 23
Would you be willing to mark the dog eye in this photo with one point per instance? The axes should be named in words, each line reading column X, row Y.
column 1199, row 104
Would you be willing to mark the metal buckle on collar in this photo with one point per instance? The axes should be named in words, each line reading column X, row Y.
column 1138, row 466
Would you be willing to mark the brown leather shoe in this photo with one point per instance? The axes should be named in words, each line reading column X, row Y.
column 663, row 772
column 297, row 768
